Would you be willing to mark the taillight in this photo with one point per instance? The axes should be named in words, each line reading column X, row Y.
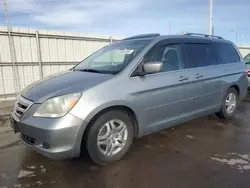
column 246, row 73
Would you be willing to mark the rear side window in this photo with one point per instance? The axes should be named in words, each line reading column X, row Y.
column 226, row 53
column 199, row 55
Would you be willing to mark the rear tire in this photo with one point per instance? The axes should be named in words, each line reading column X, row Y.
column 110, row 137
column 229, row 104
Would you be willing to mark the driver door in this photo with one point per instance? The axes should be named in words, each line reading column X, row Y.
column 164, row 98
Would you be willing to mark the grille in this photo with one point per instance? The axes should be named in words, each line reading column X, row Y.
column 21, row 106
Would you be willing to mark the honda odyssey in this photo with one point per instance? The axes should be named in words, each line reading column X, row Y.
column 129, row 89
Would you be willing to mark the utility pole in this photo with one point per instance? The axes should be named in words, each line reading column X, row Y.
column 210, row 17
column 236, row 37
column 12, row 50
column 169, row 27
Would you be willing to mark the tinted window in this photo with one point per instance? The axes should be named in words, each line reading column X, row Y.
column 199, row 55
column 227, row 53
column 169, row 55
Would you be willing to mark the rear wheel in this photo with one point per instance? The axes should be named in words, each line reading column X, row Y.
column 229, row 104
column 110, row 137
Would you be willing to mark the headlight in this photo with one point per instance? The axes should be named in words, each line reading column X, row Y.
column 18, row 97
column 58, row 106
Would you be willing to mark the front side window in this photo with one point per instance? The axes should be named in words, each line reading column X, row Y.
column 227, row 53
column 113, row 58
column 199, row 55
column 170, row 55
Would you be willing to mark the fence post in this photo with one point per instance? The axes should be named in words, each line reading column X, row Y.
column 16, row 80
column 39, row 54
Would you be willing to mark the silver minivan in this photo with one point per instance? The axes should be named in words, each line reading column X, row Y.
column 129, row 89
column 247, row 62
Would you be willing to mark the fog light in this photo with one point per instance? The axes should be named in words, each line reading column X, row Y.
column 46, row 145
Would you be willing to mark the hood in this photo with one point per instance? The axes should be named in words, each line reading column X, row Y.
column 61, row 84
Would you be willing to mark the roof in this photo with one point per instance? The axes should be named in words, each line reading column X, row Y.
column 157, row 36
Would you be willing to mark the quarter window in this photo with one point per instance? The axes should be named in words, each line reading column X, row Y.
column 227, row 53
column 199, row 55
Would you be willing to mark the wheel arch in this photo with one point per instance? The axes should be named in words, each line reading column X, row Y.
column 125, row 108
column 236, row 87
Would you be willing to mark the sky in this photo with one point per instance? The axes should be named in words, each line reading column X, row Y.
column 130, row 17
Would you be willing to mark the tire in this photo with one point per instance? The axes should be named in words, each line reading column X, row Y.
column 223, row 113
column 101, row 129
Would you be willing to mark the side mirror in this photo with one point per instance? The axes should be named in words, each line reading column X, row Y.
column 152, row 67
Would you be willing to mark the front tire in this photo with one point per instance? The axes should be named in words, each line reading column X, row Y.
column 110, row 137
column 229, row 104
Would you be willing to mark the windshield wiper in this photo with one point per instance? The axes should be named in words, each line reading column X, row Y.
column 87, row 70
column 95, row 71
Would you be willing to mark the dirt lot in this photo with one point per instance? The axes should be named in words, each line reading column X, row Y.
column 205, row 152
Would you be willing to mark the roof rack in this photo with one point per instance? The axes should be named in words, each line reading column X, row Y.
column 204, row 35
column 150, row 35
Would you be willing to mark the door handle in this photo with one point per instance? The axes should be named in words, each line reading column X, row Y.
column 182, row 78
column 197, row 76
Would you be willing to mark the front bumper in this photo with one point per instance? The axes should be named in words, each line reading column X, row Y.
column 56, row 138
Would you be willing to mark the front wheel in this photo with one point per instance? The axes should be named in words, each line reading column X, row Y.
column 229, row 104
column 110, row 137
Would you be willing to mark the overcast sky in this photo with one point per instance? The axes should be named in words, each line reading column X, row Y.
column 129, row 17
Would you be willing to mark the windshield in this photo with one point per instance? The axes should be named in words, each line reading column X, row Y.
column 247, row 59
column 112, row 58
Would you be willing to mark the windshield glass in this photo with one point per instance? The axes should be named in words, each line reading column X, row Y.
column 247, row 59
column 112, row 58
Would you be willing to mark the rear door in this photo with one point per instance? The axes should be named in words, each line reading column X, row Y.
column 201, row 61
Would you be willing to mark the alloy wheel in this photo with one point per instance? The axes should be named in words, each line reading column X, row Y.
column 112, row 137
